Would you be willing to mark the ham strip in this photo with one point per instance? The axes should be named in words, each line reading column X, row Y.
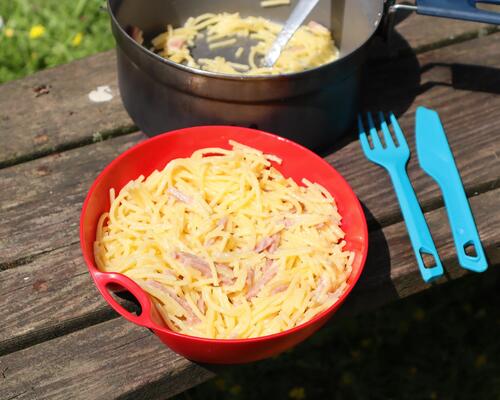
column 177, row 194
column 210, row 241
column 318, row 28
column 270, row 271
column 276, row 241
column 279, row 289
column 270, row 242
column 226, row 275
column 250, row 276
column 137, row 34
column 223, row 222
column 201, row 305
column 322, row 288
column 194, row 261
column 169, row 274
column 175, row 43
column 190, row 316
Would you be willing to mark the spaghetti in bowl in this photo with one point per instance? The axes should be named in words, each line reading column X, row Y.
column 190, row 280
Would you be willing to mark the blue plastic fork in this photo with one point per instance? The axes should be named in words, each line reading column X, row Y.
column 394, row 157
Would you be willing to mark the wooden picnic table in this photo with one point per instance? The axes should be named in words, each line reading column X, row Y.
column 59, row 339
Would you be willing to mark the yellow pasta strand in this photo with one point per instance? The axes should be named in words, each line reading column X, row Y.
column 226, row 245
column 311, row 45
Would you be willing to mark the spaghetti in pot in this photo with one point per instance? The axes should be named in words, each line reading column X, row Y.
column 311, row 45
column 226, row 245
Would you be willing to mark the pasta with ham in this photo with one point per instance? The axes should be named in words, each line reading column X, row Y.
column 226, row 246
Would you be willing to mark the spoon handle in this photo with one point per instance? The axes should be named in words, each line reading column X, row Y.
column 297, row 17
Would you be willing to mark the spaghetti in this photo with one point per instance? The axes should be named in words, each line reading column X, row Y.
column 226, row 245
column 311, row 45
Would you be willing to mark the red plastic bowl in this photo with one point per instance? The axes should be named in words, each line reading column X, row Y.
column 155, row 153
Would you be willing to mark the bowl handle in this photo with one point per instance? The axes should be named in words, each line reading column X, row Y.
column 105, row 279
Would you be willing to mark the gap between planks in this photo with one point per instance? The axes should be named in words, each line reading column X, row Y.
column 105, row 134
column 380, row 280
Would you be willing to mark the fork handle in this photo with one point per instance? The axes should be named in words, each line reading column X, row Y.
column 416, row 225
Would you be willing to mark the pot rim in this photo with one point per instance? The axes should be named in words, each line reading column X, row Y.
column 234, row 77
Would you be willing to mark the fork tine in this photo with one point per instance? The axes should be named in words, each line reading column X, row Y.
column 373, row 131
column 385, row 130
column 365, row 145
column 397, row 131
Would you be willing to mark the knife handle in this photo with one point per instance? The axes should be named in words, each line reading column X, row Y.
column 416, row 225
column 462, row 224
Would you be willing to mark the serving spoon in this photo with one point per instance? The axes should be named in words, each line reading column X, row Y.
column 297, row 17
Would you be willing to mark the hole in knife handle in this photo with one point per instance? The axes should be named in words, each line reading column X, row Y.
column 428, row 259
column 470, row 249
column 126, row 299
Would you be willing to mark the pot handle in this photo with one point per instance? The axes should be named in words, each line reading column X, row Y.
column 459, row 9
column 106, row 279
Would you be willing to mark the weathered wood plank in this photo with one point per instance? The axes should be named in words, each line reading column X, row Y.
column 47, row 297
column 116, row 359
column 111, row 360
column 443, row 79
column 32, row 126
column 40, row 200
column 38, row 299
column 422, row 33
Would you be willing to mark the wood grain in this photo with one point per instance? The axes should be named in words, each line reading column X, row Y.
column 41, row 210
column 38, row 299
column 41, row 200
column 116, row 359
column 422, row 33
column 51, row 309
column 446, row 81
column 64, row 118
column 32, row 126
column 111, row 360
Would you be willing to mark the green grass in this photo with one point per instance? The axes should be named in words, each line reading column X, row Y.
column 62, row 21
column 443, row 345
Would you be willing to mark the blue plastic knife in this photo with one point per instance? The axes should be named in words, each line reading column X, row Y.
column 436, row 159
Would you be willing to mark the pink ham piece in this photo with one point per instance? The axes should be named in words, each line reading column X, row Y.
column 270, row 271
column 279, row 289
column 322, row 288
column 137, row 34
column 320, row 225
column 276, row 241
column 294, row 49
column 225, row 274
column 318, row 28
column 194, row 261
column 201, row 305
column 175, row 43
column 210, row 241
column 270, row 243
column 190, row 316
column 288, row 223
column 178, row 195
column 250, row 276
column 223, row 222
column 169, row 274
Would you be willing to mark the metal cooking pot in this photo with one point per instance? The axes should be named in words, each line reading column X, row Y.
column 312, row 107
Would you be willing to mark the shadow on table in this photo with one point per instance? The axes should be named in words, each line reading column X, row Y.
column 389, row 84
column 471, row 77
column 373, row 288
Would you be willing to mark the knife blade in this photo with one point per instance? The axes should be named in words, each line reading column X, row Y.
column 436, row 159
